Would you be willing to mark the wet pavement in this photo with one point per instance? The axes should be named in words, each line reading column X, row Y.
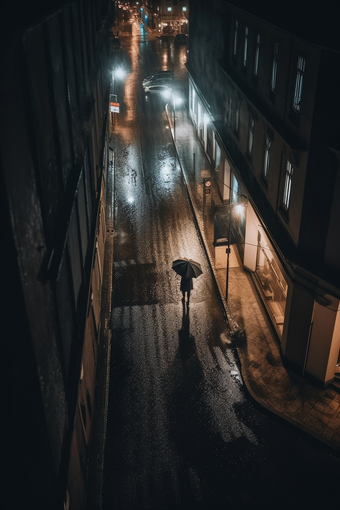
column 271, row 384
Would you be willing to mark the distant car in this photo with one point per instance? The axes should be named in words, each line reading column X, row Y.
column 161, row 76
column 181, row 39
column 161, row 81
column 158, row 90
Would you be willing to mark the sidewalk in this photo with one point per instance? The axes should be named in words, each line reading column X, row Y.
column 281, row 391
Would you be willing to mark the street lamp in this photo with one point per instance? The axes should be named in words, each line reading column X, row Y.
column 239, row 209
column 117, row 73
column 114, row 105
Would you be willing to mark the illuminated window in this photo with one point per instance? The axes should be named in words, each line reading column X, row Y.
column 266, row 158
column 184, row 8
column 235, row 37
column 274, row 67
column 298, row 83
column 257, row 54
column 245, row 46
column 288, row 185
column 169, row 9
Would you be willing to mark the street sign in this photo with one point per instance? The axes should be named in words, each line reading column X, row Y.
column 207, row 185
column 114, row 107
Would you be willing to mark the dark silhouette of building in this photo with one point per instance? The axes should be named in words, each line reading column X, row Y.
column 54, row 162
column 264, row 98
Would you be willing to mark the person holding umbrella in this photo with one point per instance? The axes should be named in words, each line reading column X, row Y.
column 187, row 269
column 186, row 287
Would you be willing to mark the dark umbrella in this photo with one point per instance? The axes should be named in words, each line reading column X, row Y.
column 187, row 268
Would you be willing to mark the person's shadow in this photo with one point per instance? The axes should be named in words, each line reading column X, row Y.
column 191, row 422
column 185, row 340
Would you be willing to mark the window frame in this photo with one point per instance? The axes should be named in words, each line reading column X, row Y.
column 251, row 129
column 287, row 188
column 235, row 38
column 257, row 54
column 245, row 48
column 266, row 158
column 273, row 77
column 299, row 75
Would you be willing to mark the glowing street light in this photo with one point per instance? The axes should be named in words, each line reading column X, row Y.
column 119, row 73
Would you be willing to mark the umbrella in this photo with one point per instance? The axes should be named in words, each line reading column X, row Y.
column 187, row 268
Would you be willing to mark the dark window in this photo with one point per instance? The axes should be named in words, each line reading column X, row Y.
column 245, row 50
column 257, row 55
column 266, row 159
column 287, row 186
column 274, row 67
column 235, row 39
column 298, row 84
column 251, row 135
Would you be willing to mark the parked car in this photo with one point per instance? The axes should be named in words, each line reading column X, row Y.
column 158, row 90
column 181, row 39
column 156, row 77
column 164, row 81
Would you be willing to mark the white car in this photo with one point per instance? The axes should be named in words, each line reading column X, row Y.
column 162, row 76
column 163, row 81
column 158, row 90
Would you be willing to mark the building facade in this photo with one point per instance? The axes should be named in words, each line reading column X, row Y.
column 165, row 17
column 54, row 160
column 263, row 98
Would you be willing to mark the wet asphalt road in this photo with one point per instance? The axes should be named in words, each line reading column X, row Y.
column 182, row 432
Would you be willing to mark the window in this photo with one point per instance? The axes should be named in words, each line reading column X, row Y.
column 217, row 158
column 257, row 54
column 288, row 185
column 235, row 37
column 274, row 67
column 235, row 190
column 298, row 83
column 266, row 158
column 230, row 109
column 251, row 135
column 237, row 116
column 245, row 50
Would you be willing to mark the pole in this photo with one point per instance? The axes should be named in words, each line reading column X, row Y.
column 174, row 118
column 228, row 253
column 229, row 234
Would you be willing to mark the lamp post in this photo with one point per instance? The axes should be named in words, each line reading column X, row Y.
column 239, row 208
column 114, row 105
